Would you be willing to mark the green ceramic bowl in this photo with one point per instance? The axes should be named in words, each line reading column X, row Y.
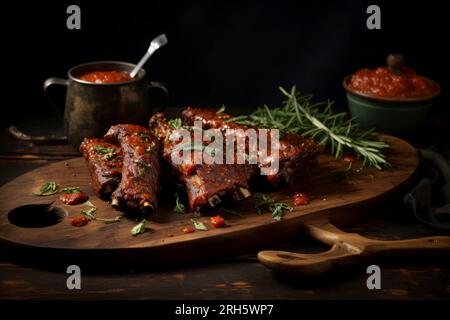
column 396, row 116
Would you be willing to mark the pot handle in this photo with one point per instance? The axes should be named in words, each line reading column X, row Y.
column 47, row 84
column 160, row 85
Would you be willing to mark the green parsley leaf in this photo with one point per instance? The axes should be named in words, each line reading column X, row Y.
column 139, row 228
column 103, row 150
column 144, row 136
column 89, row 213
column 70, row 190
column 179, row 206
column 47, row 189
column 264, row 202
column 90, row 204
column 199, row 225
column 175, row 123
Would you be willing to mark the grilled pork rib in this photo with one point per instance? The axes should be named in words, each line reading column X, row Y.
column 206, row 184
column 104, row 161
column 140, row 181
column 297, row 154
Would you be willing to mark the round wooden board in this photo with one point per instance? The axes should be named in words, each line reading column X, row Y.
column 332, row 192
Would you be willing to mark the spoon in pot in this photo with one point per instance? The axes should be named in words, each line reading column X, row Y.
column 156, row 43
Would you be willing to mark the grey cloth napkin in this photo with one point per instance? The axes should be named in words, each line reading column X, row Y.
column 429, row 201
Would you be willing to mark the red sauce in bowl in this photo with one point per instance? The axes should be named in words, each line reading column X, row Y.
column 383, row 83
column 106, row 76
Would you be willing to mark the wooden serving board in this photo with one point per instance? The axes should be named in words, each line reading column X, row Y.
column 334, row 195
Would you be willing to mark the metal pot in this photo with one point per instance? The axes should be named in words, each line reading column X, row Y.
column 91, row 108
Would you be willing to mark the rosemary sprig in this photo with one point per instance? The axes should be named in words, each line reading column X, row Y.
column 300, row 115
column 90, row 214
column 264, row 202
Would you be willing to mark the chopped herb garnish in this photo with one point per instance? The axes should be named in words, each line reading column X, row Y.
column 192, row 146
column 103, row 150
column 144, row 136
column 90, row 204
column 108, row 156
column 199, row 225
column 179, row 206
column 264, row 202
column 108, row 153
column 107, row 221
column 50, row 188
column 142, row 166
column 89, row 213
column 175, row 123
column 150, row 148
column 70, row 190
column 221, row 110
column 139, row 228
column 47, row 189
column 142, row 163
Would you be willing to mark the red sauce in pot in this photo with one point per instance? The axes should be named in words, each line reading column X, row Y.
column 383, row 83
column 106, row 76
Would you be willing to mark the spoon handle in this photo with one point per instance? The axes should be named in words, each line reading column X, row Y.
column 144, row 59
column 156, row 43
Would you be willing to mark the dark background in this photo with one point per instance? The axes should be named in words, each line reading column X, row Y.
column 233, row 53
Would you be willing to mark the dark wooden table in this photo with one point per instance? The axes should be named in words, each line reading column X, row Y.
column 240, row 277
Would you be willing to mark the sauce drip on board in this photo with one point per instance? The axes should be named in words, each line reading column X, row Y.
column 381, row 82
column 300, row 199
column 106, row 76
column 73, row 198
column 79, row 221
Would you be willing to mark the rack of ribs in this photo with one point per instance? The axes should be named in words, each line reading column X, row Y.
column 140, row 181
column 297, row 154
column 205, row 184
column 104, row 161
